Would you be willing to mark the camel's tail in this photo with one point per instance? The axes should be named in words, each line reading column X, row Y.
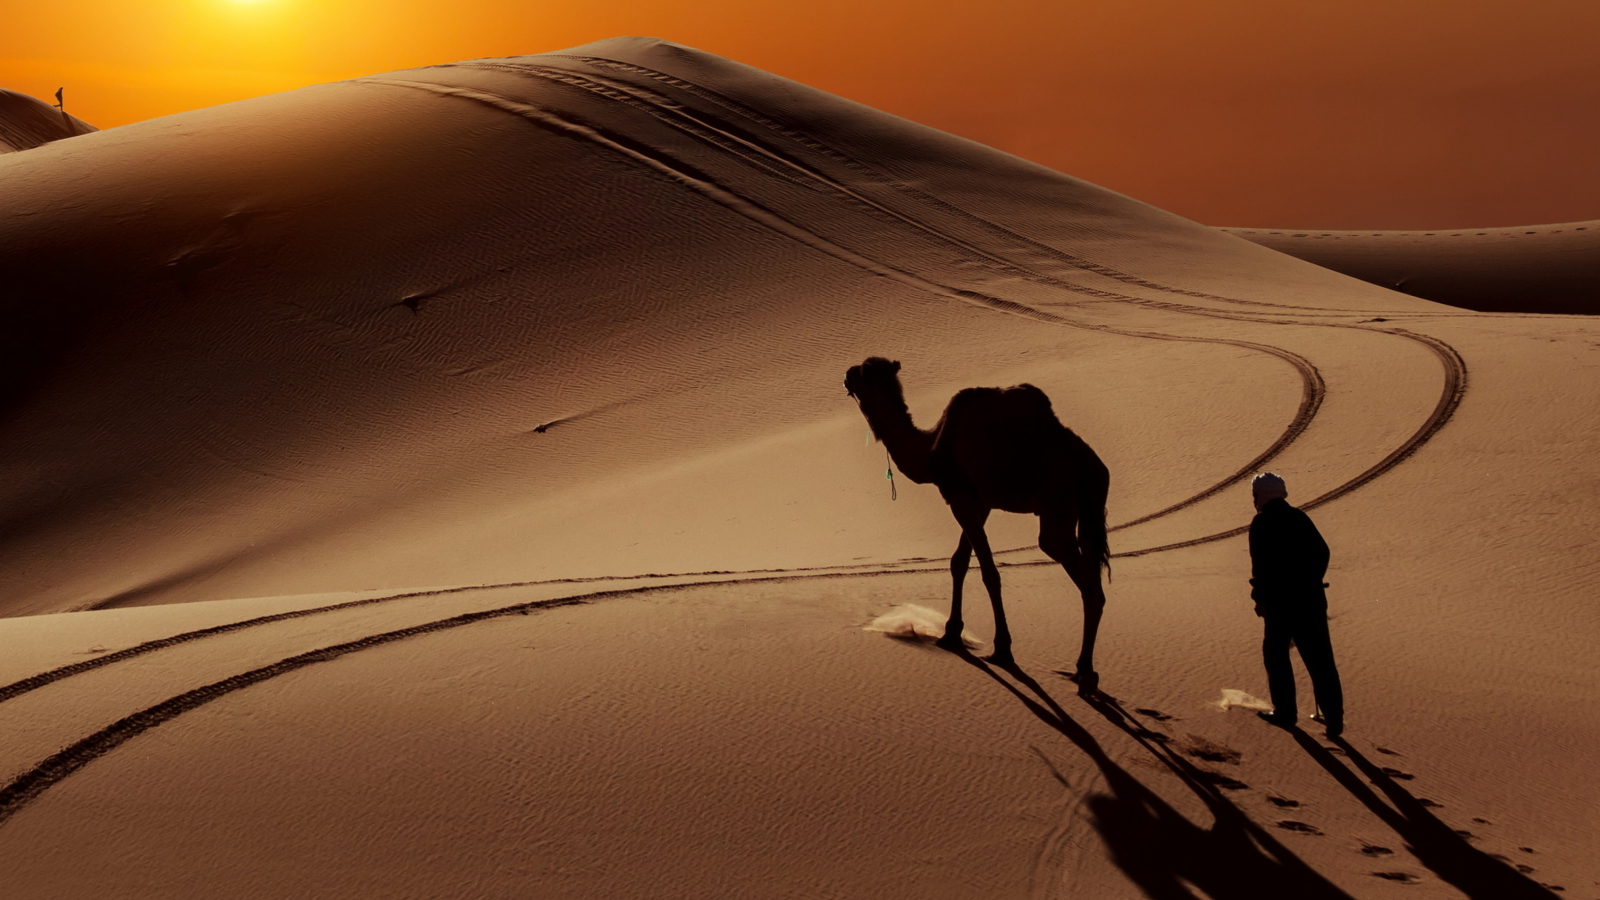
column 1092, row 490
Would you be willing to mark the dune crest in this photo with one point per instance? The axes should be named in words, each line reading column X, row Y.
column 1519, row 269
column 26, row 123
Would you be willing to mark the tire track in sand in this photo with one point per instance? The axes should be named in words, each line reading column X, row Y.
column 1454, row 391
column 1314, row 389
column 817, row 145
column 1454, row 367
column 50, row 676
column 27, row 787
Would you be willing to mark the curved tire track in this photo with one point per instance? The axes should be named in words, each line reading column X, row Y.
column 34, row 682
column 1455, row 389
column 1454, row 367
column 43, row 679
column 27, row 787
column 1313, row 387
column 815, row 144
column 750, row 148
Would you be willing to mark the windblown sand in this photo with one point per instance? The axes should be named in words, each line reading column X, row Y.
column 440, row 484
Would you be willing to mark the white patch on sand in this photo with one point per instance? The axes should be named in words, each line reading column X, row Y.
column 917, row 623
column 1232, row 697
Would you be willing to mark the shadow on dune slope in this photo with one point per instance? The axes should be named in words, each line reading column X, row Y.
column 1155, row 845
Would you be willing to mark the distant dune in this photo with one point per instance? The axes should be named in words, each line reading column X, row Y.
column 1528, row 269
column 26, row 123
column 441, row 484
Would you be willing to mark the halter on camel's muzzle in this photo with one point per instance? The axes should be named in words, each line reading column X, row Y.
column 888, row 471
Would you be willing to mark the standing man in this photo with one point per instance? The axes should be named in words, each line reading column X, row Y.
column 1288, row 559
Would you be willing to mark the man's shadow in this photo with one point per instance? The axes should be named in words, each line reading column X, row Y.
column 1152, row 843
column 1432, row 842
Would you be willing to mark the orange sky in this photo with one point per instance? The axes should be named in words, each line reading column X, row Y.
column 1308, row 113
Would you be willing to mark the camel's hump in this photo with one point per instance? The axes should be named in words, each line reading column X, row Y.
column 1022, row 401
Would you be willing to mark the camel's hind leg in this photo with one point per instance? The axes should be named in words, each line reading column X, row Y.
column 972, row 517
column 1058, row 538
column 958, row 577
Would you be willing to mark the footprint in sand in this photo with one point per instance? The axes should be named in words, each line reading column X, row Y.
column 1402, row 877
column 1156, row 714
column 1386, row 751
column 1397, row 774
column 1222, row 781
column 1202, row 748
column 1375, row 850
column 1429, row 803
column 1283, row 802
column 1298, row 827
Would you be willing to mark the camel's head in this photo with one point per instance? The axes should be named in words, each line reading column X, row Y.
column 875, row 376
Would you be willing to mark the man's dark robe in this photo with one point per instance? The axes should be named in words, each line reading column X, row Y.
column 1288, row 560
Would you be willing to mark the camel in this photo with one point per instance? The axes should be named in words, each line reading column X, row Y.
column 1000, row 448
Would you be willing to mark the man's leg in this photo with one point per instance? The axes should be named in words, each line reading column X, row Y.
column 1316, row 651
column 1280, row 674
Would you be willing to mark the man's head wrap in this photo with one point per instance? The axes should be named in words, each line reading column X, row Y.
column 1268, row 486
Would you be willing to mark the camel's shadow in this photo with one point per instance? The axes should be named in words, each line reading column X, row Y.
column 1151, row 842
column 1164, row 853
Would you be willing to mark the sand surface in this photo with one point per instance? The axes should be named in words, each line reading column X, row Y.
column 441, row 484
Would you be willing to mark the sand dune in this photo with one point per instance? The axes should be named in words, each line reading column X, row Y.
column 488, row 418
column 26, row 123
column 1526, row 269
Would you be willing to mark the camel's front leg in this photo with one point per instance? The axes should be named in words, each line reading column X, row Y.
column 972, row 519
column 958, row 576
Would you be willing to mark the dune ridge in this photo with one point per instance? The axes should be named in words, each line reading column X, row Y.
column 1520, row 269
column 26, row 123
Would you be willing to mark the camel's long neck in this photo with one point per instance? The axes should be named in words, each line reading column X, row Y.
column 910, row 447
